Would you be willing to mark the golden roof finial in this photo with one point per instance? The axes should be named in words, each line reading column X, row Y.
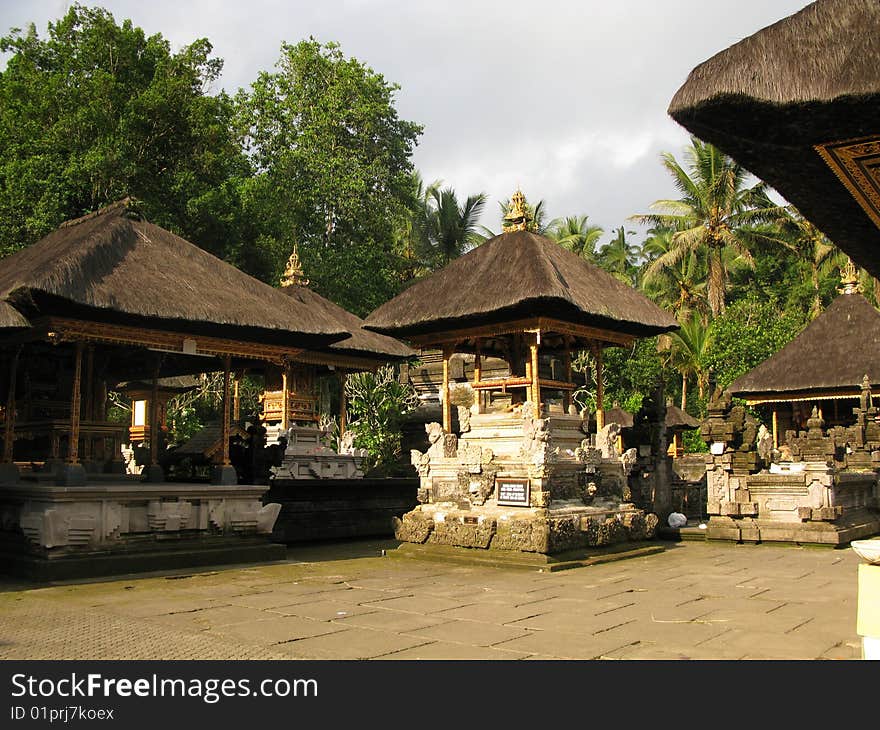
column 518, row 214
column 293, row 275
column 849, row 279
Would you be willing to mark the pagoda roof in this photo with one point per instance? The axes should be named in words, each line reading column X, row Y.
column 519, row 275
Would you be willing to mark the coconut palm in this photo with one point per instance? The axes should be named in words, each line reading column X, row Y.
column 618, row 256
column 688, row 350
column 811, row 246
column 576, row 234
column 716, row 212
column 681, row 287
column 452, row 227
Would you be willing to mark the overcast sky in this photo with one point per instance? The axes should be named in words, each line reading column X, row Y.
column 564, row 99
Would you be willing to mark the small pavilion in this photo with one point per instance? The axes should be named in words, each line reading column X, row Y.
column 520, row 475
column 825, row 366
column 108, row 298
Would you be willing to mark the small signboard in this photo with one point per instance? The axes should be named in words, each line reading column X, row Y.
column 512, row 492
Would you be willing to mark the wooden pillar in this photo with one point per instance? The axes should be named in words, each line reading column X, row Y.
column 478, row 377
column 285, row 396
column 343, row 403
column 89, row 411
column 447, row 406
column 775, row 429
column 154, row 418
column 600, row 388
column 9, row 432
column 75, row 402
column 227, row 362
column 236, row 402
column 566, row 394
column 536, row 381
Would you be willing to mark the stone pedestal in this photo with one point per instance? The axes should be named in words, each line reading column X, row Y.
column 306, row 457
column 514, row 482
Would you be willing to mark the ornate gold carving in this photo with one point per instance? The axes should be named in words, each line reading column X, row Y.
column 293, row 275
column 856, row 162
column 518, row 214
column 849, row 279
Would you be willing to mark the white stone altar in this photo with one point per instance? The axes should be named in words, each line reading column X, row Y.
column 308, row 457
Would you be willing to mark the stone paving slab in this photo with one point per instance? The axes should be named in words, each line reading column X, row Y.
column 345, row 601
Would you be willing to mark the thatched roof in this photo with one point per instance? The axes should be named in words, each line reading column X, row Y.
column 114, row 265
column 810, row 79
column 11, row 318
column 619, row 416
column 834, row 352
column 679, row 420
column 516, row 275
column 360, row 342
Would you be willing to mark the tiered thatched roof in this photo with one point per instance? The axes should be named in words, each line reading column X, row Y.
column 831, row 356
column 809, row 80
column 114, row 266
column 10, row 317
column 519, row 275
column 679, row 420
column 360, row 342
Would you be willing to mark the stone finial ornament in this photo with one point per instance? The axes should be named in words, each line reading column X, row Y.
column 293, row 274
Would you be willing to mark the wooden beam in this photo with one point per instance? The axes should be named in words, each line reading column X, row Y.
column 9, row 432
column 285, row 396
column 236, row 401
column 566, row 395
column 154, row 415
column 775, row 429
column 600, row 388
column 75, row 402
column 227, row 364
column 545, row 324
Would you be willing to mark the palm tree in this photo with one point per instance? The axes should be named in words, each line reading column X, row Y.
column 576, row 234
column 680, row 287
column 716, row 212
column 618, row 256
column 452, row 227
column 412, row 233
column 688, row 350
column 811, row 246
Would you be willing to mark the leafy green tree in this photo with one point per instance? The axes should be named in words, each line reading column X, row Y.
column 746, row 334
column 96, row 111
column 335, row 172
column 576, row 234
column 716, row 213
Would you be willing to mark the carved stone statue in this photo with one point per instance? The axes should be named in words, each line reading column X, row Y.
column 765, row 443
column 628, row 460
column 606, row 440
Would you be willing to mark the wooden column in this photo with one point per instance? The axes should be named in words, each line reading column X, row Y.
column 154, row 418
column 227, row 361
column 236, row 402
column 478, row 376
column 285, row 396
column 9, row 431
column 566, row 395
column 447, row 406
column 536, row 378
column 600, row 389
column 75, row 402
column 775, row 429
column 343, row 403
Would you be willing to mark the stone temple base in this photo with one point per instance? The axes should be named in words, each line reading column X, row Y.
column 51, row 532
column 852, row 525
column 562, row 528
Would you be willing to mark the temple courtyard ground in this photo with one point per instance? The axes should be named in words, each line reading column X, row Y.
column 694, row 600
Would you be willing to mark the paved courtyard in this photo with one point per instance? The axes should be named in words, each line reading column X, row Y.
column 695, row 600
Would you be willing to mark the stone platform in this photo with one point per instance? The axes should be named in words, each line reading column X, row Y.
column 50, row 531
